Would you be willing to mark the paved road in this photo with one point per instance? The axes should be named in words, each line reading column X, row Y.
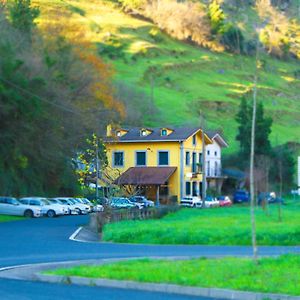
column 46, row 240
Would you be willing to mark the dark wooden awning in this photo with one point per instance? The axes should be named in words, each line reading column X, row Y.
column 145, row 176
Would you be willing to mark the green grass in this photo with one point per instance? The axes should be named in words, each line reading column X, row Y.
column 187, row 78
column 220, row 226
column 271, row 275
column 5, row 218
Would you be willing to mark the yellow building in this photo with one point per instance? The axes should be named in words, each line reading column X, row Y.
column 164, row 164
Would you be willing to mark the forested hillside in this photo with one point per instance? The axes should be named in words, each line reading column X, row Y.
column 193, row 56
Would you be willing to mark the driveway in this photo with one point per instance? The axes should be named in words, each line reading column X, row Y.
column 47, row 240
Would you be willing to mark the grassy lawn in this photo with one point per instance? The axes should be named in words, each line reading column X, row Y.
column 219, row 226
column 272, row 275
column 187, row 78
column 5, row 218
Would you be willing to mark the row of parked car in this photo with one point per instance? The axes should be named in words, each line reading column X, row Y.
column 139, row 202
column 194, row 201
column 50, row 207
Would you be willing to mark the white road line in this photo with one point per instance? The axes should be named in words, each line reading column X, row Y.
column 74, row 234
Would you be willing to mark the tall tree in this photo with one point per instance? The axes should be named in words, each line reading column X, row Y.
column 262, row 127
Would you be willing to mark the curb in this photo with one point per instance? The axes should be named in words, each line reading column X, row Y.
column 164, row 288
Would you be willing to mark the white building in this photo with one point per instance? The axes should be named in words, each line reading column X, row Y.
column 213, row 160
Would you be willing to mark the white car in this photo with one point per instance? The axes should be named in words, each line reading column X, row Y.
column 211, row 202
column 94, row 207
column 65, row 207
column 66, row 201
column 11, row 206
column 191, row 201
column 48, row 209
column 75, row 205
column 89, row 206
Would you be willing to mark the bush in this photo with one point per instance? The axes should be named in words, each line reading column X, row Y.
column 233, row 38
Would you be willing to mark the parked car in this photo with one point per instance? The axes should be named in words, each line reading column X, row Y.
column 270, row 198
column 64, row 206
column 119, row 202
column 240, row 196
column 143, row 200
column 94, row 207
column 70, row 204
column 84, row 208
column 79, row 207
column 211, row 202
column 11, row 206
column 102, row 201
column 48, row 209
column 191, row 201
column 224, row 201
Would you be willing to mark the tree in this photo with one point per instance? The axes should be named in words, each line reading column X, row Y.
column 53, row 94
column 22, row 15
column 262, row 127
column 216, row 16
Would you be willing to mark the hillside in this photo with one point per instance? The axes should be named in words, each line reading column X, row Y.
column 185, row 78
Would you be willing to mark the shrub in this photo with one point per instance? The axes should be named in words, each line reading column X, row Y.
column 233, row 38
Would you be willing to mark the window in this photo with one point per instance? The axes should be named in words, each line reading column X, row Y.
column 118, row 159
column 187, row 158
column 200, row 158
column 164, row 132
column 163, row 158
column 140, row 158
column 216, row 153
column 208, row 152
column 194, row 166
column 194, row 140
column 188, row 188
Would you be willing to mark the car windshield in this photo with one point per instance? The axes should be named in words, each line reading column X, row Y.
column 72, row 201
column 54, row 201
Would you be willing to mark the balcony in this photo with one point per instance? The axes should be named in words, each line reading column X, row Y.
column 214, row 172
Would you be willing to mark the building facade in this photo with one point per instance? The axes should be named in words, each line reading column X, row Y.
column 213, row 161
column 164, row 164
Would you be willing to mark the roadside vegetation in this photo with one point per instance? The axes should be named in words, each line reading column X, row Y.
column 9, row 218
column 270, row 275
column 219, row 226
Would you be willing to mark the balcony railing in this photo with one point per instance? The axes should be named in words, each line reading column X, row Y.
column 214, row 172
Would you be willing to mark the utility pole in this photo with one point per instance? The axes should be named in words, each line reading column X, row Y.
column 97, row 170
column 203, row 161
column 252, row 190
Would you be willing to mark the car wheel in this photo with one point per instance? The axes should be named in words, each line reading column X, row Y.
column 28, row 213
column 78, row 210
column 51, row 213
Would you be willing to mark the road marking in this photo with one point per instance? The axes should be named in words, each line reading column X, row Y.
column 74, row 234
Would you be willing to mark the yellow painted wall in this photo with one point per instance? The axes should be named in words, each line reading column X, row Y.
column 152, row 149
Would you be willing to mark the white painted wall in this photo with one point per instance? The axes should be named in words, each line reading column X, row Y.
column 213, row 156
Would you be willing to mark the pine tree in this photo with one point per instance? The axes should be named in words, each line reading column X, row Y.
column 262, row 129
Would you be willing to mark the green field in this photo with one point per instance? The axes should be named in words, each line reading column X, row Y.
column 219, row 226
column 186, row 78
column 271, row 275
column 5, row 218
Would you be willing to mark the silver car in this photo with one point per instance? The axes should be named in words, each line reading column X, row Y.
column 48, row 209
column 11, row 206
